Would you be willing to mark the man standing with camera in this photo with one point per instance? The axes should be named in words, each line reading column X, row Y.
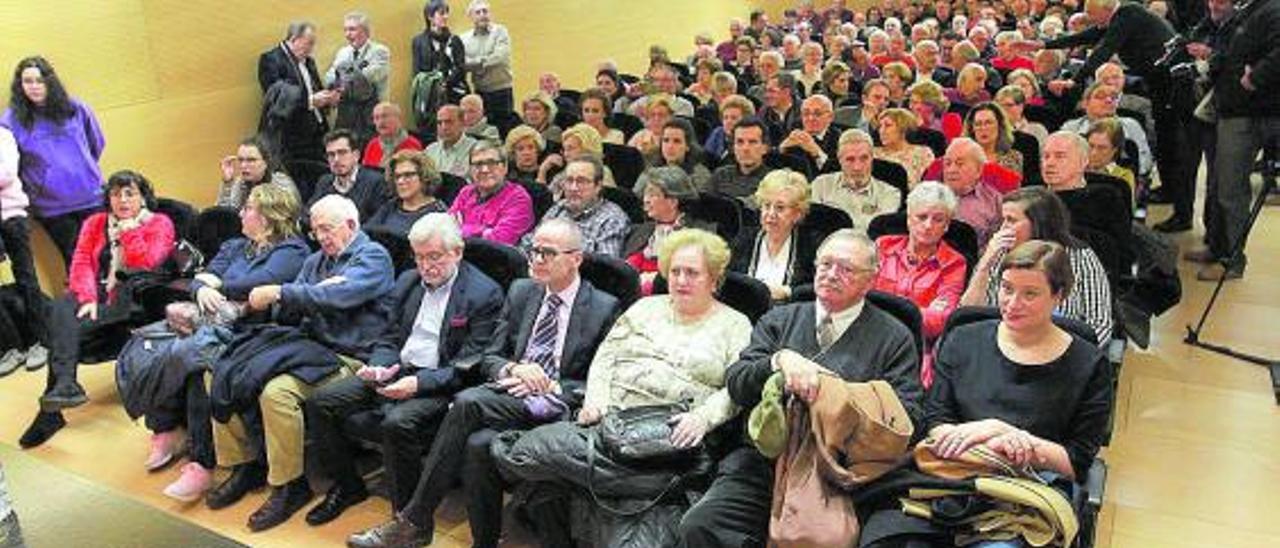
column 360, row 72
column 1246, row 88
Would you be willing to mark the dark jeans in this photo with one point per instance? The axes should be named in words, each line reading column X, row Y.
column 30, row 327
column 192, row 409
column 404, row 427
column 498, row 100
column 64, row 230
column 735, row 509
column 462, row 445
column 72, row 340
column 1238, row 142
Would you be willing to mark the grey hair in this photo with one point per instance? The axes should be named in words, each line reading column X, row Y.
column 597, row 166
column 820, row 99
column 298, row 28
column 475, row 5
column 858, row 238
column 931, row 193
column 485, row 146
column 570, row 229
column 851, row 136
column 337, row 206
column 437, row 225
column 360, row 18
column 974, row 149
column 1078, row 141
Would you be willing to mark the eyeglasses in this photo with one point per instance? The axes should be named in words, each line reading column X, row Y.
column 432, row 257
column 545, row 253
column 406, row 175
column 577, row 181
column 842, row 269
column 486, row 163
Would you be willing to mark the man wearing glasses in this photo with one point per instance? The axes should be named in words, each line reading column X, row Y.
column 839, row 333
column 537, row 365
column 492, row 207
column 603, row 224
column 444, row 314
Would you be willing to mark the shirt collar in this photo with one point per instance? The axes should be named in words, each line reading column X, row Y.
column 840, row 320
column 568, row 294
column 448, row 284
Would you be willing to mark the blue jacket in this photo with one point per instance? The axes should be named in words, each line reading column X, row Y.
column 240, row 273
column 475, row 304
column 349, row 315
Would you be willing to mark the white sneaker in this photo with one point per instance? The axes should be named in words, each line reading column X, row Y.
column 10, row 361
column 37, row 356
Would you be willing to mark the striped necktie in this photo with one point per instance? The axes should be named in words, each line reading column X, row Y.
column 542, row 347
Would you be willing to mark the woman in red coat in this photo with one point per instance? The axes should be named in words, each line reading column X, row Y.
column 94, row 317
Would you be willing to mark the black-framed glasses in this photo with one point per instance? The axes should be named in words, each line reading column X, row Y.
column 547, row 253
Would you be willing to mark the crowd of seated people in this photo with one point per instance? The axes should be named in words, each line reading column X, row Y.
column 686, row 177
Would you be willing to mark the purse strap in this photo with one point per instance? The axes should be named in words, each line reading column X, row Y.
column 591, row 473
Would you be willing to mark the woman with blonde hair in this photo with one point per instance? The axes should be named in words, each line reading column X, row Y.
column 524, row 146
column 775, row 252
column 577, row 140
column 539, row 112
column 927, row 100
column 898, row 75
column 895, row 125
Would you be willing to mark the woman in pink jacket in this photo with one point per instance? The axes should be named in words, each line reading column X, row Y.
column 92, row 321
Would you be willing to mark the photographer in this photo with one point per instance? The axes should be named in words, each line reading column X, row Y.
column 1246, row 87
column 1208, row 37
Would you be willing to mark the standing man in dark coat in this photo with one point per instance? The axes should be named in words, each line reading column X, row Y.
column 444, row 314
column 290, row 64
column 546, row 338
column 840, row 332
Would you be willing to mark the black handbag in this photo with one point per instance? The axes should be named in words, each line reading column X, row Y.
column 642, row 434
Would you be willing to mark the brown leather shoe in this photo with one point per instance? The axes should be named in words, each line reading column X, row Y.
column 397, row 533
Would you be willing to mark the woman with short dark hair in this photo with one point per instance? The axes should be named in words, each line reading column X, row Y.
column 92, row 322
column 415, row 183
column 61, row 142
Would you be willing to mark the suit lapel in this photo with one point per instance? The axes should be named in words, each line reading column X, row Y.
column 581, row 308
column 457, row 300
column 532, row 305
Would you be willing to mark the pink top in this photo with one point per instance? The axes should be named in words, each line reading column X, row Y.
column 13, row 201
column 503, row 217
column 934, row 284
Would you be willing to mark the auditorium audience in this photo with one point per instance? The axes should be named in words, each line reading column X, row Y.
column 668, row 194
column 733, row 109
column 28, row 311
column 740, row 178
column 294, row 115
column 813, row 138
column 978, row 203
column 538, row 111
column 679, row 147
column 596, row 107
column 474, row 122
column 987, row 124
column 360, row 72
column 524, row 147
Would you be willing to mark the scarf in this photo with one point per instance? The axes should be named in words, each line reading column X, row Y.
column 389, row 145
column 116, row 228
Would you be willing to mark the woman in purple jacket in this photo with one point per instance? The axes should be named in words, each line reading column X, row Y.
column 60, row 142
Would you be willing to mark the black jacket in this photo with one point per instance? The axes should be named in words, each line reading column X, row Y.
column 592, row 315
column 469, row 320
column 1253, row 43
column 443, row 53
column 277, row 65
column 804, row 251
column 1135, row 34
column 369, row 192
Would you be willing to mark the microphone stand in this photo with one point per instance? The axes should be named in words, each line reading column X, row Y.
column 1193, row 334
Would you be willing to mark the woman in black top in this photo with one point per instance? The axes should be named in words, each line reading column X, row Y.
column 1022, row 386
column 438, row 49
column 415, row 182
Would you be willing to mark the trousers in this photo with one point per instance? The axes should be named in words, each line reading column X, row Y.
column 16, row 235
column 191, row 409
column 283, row 428
column 734, row 511
column 1238, row 142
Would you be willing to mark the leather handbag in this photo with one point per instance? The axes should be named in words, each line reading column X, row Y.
column 807, row 510
column 641, row 434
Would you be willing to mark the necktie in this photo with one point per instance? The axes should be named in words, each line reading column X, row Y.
column 826, row 332
column 542, row 346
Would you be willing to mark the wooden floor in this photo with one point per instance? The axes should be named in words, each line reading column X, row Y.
column 1193, row 459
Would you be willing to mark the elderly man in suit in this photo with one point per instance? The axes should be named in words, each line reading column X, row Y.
column 550, row 328
column 362, row 185
column 839, row 332
column 360, row 70
column 444, row 314
column 298, row 97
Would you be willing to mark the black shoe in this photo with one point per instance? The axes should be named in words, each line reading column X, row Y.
column 335, row 502
column 1173, row 224
column 1159, row 196
column 283, row 503
column 44, row 427
column 397, row 533
column 63, row 395
column 244, row 478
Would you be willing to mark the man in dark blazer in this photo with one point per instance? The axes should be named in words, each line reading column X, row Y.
column 361, row 184
column 445, row 314
column 538, row 369
column 300, row 93
column 840, row 332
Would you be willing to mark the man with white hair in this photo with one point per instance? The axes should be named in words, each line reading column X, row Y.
column 360, row 72
column 854, row 189
column 340, row 303
column 488, row 47
column 979, row 204
column 1100, row 207
column 444, row 314
column 474, row 120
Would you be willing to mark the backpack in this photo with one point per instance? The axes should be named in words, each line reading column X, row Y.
column 426, row 95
